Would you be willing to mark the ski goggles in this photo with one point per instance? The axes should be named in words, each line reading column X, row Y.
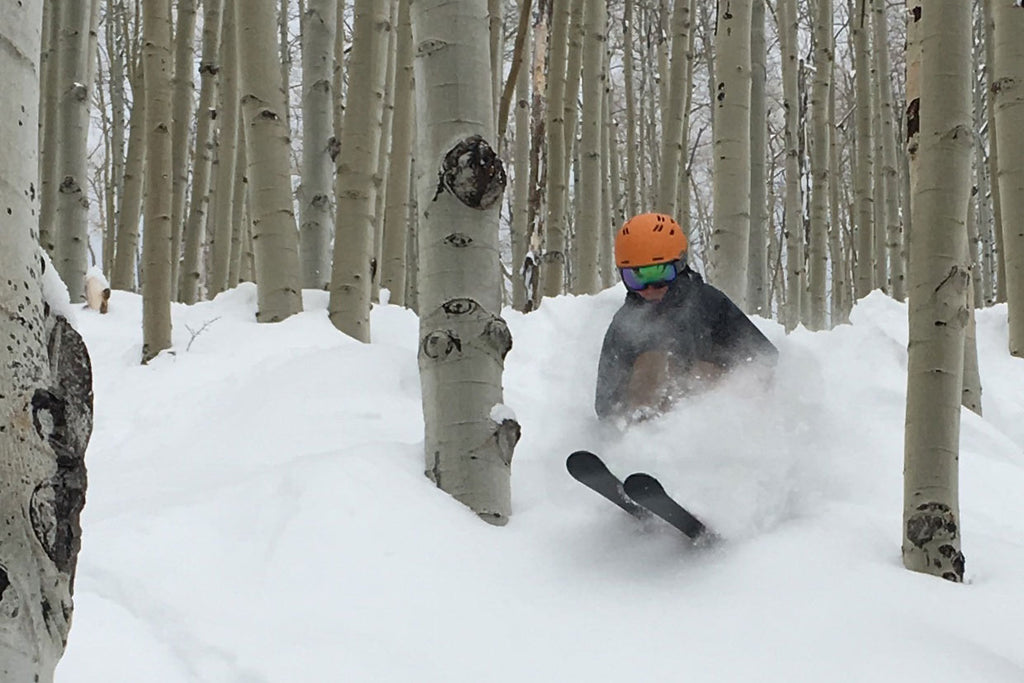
column 643, row 277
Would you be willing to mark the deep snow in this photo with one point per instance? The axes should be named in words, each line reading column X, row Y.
column 257, row 512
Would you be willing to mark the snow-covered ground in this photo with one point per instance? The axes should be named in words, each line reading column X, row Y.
column 257, row 512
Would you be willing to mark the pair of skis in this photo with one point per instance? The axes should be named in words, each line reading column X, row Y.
column 641, row 495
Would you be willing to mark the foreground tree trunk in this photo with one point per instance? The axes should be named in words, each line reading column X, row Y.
column 470, row 436
column 157, row 211
column 1008, row 104
column 275, row 235
column 939, row 282
column 46, row 403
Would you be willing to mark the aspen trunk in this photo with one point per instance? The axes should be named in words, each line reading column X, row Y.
column 74, row 83
column 184, row 86
column 672, row 142
column 820, row 166
column 49, row 112
column 46, row 403
column 521, row 175
column 384, row 153
column 939, row 281
column 1008, row 105
column 757, row 259
column 396, row 216
column 116, row 52
column 793, row 201
column 355, row 188
column 553, row 263
column 591, row 224
column 126, row 253
column 470, row 436
column 864, row 198
column 993, row 154
column 202, row 161
column 228, row 140
column 887, row 160
column 316, row 213
column 731, row 234
column 267, row 136
column 631, row 117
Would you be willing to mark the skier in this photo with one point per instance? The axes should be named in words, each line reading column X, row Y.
column 674, row 335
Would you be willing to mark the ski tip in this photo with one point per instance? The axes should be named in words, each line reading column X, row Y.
column 579, row 459
column 642, row 482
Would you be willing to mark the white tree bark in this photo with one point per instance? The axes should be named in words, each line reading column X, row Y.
column 49, row 105
column 1008, row 105
column 521, row 176
column 632, row 171
column 46, row 403
column 553, row 264
column 356, row 180
column 267, row 149
column 157, row 208
column 183, row 83
column 793, row 201
column 731, row 234
column 316, row 211
column 866, row 253
column 672, row 142
column 591, row 225
column 887, row 147
column 757, row 258
column 222, row 199
column 126, row 256
column 820, row 177
column 470, row 438
column 202, row 160
column 75, row 84
column 939, row 280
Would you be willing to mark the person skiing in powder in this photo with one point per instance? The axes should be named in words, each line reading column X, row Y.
column 675, row 335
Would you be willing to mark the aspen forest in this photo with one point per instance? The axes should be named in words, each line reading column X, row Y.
column 461, row 159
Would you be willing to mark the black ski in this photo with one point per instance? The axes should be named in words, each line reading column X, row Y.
column 589, row 470
column 647, row 492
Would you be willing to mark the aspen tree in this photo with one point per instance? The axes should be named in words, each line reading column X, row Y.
column 939, row 280
column 268, row 169
column 993, row 154
column 672, row 141
column 731, row 233
column 183, row 85
column 591, row 225
column 126, row 251
column 470, row 436
column 357, row 165
column 553, row 260
column 46, row 401
column 793, row 201
column 1008, row 107
column 521, row 160
column 74, row 84
column 757, row 259
column 384, row 153
column 865, row 246
column 49, row 111
column 202, row 160
column 820, row 172
column 394, row 263
column 156, row 244
column 316, row 214
column 228, row 142
column 116, row 54
column 628, row 85
column 893, row 233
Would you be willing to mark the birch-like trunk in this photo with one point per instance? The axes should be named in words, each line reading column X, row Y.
column 521, row 176
column 355, row 183
column 817, row 258
column 46, row 403
column 887, row 147
column 672, row 142
column 316, row 213
column 157, row 207
column 384, row 152
column 864, row 199
column 629, row 88
column 993, row 153
column 470, row 436
column 116, row 54
column 1008, row 106
column 591, row 225
column 202, row 160
column 793, row 200
column 268, row 168
column 757, row 257
column 731, row 233
column 75, row 85
column 395, row 264
column 126, row 255
column 49, row 112
column 183, row 86
column 223, row 197
column 553, row 260
column 939, row 280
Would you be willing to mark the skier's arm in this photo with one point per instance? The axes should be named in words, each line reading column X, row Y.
column 613, row 371
column 740, row 340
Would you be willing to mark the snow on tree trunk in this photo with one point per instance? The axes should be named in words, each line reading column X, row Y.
column 358, row 159
column 470, row 436
column 939, row 280
column 267, row 149
column 1008, row 105
column 156, row 244
column 46, row 403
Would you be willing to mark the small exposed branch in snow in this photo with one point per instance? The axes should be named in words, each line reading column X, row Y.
column 196, row 333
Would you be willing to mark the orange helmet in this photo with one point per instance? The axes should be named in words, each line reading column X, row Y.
column 647, row 239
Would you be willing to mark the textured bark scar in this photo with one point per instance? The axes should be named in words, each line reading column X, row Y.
column 473, row 172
